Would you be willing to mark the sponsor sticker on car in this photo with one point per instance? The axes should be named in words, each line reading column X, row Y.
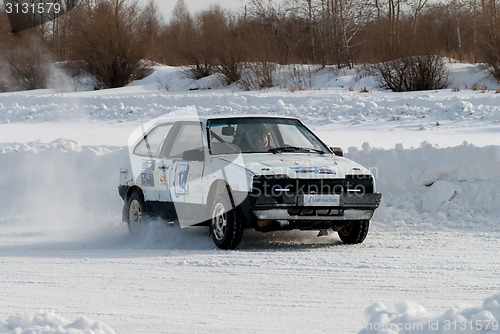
column 320, row 200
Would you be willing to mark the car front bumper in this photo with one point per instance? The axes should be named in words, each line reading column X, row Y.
column 262, row 214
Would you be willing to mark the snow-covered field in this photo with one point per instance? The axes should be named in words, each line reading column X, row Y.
column 430, row 258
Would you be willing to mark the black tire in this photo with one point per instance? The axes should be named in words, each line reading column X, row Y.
column 226, row 228
column 354, row 233
column 136, row 213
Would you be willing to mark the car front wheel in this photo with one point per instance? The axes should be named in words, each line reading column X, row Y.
column 226, row 228
column 355, row 232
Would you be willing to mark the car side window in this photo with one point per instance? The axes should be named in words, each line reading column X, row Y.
column 151, row 143
column 188, row 138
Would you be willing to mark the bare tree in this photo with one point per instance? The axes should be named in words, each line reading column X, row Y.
column 203, row 48
column 233, row 50
column 274, row 13
column 389, row 14
column 343, row 29
column 111, row 37
column 491, row 34
column 312, row 28
column 151, row 23
column 416, row 7
column 413, row 73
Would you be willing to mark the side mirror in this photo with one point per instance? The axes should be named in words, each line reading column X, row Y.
column 228, row 131
column 337, row 151
column 194, row 155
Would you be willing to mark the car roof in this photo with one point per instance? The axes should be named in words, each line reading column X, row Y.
column 168, row 118
column 245, row 116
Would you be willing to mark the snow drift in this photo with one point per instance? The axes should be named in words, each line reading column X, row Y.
column 412, row 318
column 47, row 322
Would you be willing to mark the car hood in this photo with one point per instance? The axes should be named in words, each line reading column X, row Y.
column 314, row 166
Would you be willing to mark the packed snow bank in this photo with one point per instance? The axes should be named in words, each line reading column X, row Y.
column 433, row 187
column 412, row 318
column 47, row 322
column 62, row 190
column 423, row 110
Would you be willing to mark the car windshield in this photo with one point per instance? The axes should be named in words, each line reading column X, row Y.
column 261, row 135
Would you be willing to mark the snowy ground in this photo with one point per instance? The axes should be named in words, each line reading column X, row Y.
column 69, row 266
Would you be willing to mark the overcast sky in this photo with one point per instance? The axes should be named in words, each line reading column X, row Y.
column 166, row 6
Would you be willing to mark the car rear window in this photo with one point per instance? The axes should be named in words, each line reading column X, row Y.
column 151, row 144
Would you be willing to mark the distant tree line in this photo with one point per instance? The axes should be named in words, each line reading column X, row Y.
column 115, row 39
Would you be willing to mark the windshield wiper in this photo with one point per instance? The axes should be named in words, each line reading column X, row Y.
column 293, row 149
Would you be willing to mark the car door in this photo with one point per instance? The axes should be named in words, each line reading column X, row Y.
column 148, row 151
column 163, row 167
column 185, row 156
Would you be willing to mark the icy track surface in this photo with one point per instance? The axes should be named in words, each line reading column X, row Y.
column 68, row 264
column 176, row 282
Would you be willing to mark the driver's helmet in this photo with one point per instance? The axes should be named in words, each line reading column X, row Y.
column 258, row 136
column 255, row 137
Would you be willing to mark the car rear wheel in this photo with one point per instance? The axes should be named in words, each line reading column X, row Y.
column 226, row 228
column 136, row 211
column 354, row 233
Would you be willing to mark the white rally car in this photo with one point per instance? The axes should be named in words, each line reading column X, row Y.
column 237, row 172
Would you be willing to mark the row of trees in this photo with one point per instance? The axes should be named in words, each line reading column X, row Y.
column 336, row 32
column 111, row 38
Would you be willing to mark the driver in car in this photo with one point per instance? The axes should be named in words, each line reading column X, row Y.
column 252, row 138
